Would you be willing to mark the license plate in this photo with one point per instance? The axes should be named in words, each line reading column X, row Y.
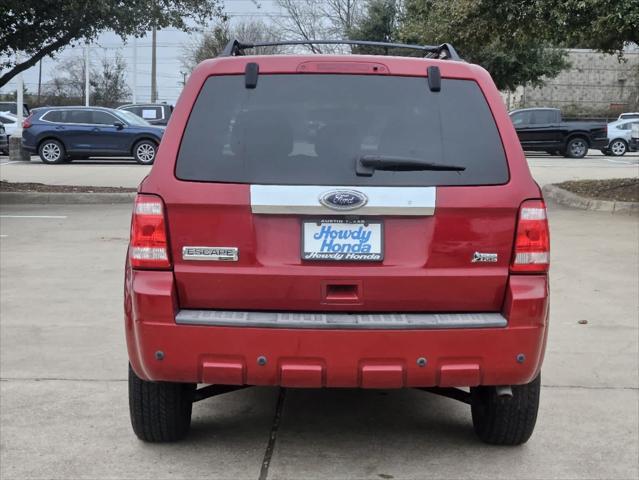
column 343, row 240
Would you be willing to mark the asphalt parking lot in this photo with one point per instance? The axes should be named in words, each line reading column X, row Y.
column 126, row 173
column 63, row 390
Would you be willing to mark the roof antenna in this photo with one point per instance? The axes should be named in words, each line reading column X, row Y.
column 251, row 73
column 434, row 79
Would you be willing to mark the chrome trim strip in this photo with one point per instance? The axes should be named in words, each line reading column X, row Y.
column 390, row 321
column 305, row 200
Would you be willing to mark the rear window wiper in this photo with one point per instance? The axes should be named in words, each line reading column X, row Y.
column 367, row 164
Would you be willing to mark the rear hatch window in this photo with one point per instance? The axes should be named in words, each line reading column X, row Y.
column 311, row 129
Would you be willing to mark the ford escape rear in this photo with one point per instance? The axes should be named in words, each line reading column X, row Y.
column 338, row 221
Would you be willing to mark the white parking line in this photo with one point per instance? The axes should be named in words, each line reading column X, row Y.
column 618, row 161
column 33, row 216
column 14, row 161
column 4, row 236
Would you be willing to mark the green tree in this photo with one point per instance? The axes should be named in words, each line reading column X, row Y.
column 379, row 23
column 604, row 25
column 510, row 39
column 37, row 28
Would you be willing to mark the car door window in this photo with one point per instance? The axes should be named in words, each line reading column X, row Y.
column 79, row 116
column 103, row 118
column 542, row 117
column 521, row 119
column 53, row 116
column 151, row 113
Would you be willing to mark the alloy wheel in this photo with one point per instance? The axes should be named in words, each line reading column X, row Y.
column 578, row 148
column 145, row 152
column 51, row 152
column 618, row 148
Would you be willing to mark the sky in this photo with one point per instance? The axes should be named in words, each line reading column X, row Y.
column 170, row 51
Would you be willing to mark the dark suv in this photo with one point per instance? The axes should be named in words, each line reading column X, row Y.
column 339, row 221
column 62, row 134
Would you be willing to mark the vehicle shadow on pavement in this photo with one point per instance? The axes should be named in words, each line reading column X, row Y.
column 338, row 417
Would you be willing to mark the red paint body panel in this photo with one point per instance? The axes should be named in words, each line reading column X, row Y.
column 426, row 268
column 333, row 358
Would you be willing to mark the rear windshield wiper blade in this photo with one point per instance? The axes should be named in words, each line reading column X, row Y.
column 367, row 164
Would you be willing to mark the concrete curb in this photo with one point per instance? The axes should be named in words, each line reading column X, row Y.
column 65, row 198
column 569, row 199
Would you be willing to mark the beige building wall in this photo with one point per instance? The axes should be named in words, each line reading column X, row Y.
column 596, row 84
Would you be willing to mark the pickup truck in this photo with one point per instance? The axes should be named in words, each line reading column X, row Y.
column 542, row 129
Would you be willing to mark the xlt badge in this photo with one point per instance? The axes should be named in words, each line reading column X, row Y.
column 219, row 254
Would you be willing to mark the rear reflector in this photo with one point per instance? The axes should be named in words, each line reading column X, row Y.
column 149, row 247
column 532, row 240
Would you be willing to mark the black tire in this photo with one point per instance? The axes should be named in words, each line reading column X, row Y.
column 505, row 421
column 617, row 148
column 160, row 411
column 52, row 152
column 577, row 147
column 142, row 152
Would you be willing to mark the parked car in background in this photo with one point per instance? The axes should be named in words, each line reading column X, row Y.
column 619, row 135
column 4, row 141
column 12, row 107
column 62, row 134
column 154, row 113
column 10, row 122
column 542, row 129
column 403, row 245
column 628, row 116
column 634, row 138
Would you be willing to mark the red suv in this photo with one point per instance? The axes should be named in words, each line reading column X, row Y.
column 331, row 221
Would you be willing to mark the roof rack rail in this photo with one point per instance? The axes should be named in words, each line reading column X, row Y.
column 445, row 51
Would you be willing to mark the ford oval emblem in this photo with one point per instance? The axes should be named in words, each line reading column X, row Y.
column 343, row 199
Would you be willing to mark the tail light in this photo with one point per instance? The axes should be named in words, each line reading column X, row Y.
column 532, row 240
column 26, row 123
column 149, row 245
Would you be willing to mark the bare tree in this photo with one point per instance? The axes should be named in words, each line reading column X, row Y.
column 108, row 85
column 324, row 19
column 211, row 43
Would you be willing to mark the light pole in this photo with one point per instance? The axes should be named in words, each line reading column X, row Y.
column 135, row 70
column 16, row 152
column 86, row 74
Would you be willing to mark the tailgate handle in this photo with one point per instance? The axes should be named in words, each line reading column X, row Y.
column 344, row 292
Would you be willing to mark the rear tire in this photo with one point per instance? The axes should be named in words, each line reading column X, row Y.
column 505, row 421
column 144, row 152
column 52, row 152
column 160, row 411
column 576, row 147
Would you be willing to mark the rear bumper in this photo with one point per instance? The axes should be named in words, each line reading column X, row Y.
column 326, row 357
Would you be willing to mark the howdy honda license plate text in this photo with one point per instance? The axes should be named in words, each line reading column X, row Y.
column 343, row 240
